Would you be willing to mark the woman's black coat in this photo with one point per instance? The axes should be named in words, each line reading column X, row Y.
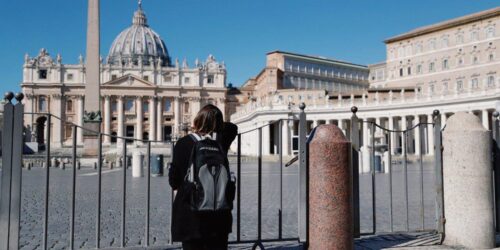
column 187, row 225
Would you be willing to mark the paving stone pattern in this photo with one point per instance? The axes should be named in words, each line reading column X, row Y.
column 86, row 197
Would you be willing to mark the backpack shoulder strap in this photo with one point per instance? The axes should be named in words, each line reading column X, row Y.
column 195, row 137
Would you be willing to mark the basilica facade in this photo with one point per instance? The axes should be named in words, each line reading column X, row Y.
column 145, row 94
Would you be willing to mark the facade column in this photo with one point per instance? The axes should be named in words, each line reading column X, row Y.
column 177, row 116
column 430, row 136
column 139, row 118
column 195, row 103
column 485, row 119
column 79, row 132
column 404, row 126
column 443, row 120
column 222, row 106
column 152, row 118
column 418, row 130
column 159, row 119
column 392, row 135
column 29, row 119
column 107, row 119
column 57, row 128
column 266, row 140
column 120, row 118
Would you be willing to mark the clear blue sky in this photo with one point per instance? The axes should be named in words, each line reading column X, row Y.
column 239, row 32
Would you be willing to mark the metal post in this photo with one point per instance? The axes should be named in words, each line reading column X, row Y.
column 280, row 212
column 73, row 190
column 405, row 176
column 47, row 177
column 5, row 195
column 438, row 158
column 148, row 198
column 259, row 187
column 389, row 151
column 355, row 169
column 17, row 158
column 496, row 166
column 303, row 177
column 124, row 192
column 422, row 209
column 99, row 187
column 238, row 190
column 374, row 191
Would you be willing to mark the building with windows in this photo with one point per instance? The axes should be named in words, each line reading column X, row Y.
column 450, row 66
column 144, row 93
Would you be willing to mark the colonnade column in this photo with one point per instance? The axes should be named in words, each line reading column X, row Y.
column 392, row 135
column 341, row 126
column 195, row 107
column 485, row 119
column 159, row 117
column 107, row 119
column 416, row 121
column 222, row 107
column 404, row 126
column 152, row 118
column 285, row 129
column 121, row 117
column 266, row 139
column 430, row 136
column 177, row 115
column 139, row 118
column 443, row 119
column 79, row 132
column 366, row 133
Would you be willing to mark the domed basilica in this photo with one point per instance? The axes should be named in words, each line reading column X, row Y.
column 144, row 93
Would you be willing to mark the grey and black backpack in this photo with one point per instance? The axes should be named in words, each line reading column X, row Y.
column 209, row 176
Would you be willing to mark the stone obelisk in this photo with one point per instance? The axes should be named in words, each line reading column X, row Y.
column 92, row 116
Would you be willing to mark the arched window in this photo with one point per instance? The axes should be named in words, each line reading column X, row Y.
column 474, row 35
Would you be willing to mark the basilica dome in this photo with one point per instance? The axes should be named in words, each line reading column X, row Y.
column 138, row 44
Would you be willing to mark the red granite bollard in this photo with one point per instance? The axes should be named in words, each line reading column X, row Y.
column 330, row 190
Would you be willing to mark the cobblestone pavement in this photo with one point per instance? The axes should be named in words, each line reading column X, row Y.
column 86, row 195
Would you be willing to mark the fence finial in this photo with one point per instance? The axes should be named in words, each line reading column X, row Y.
column 8, row 96
column 496, row 114
column 19, row 96
column 354, row 109
column 302, row 106
column 435, row 112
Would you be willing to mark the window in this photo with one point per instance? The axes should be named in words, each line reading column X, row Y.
column 145, row 78
column 167, row 106
column 460, row 38
column 114, row 106
column 475, row 60
column 210, row 79
column 474, row 35
column 113, row 77
column 145, row 107
column 42, row 104
column 419, row 69
column 69, row 77
column 490, row 32
column 431, row 89
column 400, row 52
column 491, row 57
column 445, row 87
column 444, row 42
column 432, row 44
column 474, row 83
column 408, row 50
column 69, row 106
column 419, row 48
column 42, row 74
column 460, row 61
column 445, row 64
column 186, row 107
column 460, row 85
column 431, row 67
column 129, row 105
column 491, row 81
column 167, row 79
column 187, row 80
column 401, row 72
column 409, row 70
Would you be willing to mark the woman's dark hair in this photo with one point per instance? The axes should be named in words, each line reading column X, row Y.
column 209, row 119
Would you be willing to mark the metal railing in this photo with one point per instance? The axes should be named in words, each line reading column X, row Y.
column 371, row 149
column 11, row 182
